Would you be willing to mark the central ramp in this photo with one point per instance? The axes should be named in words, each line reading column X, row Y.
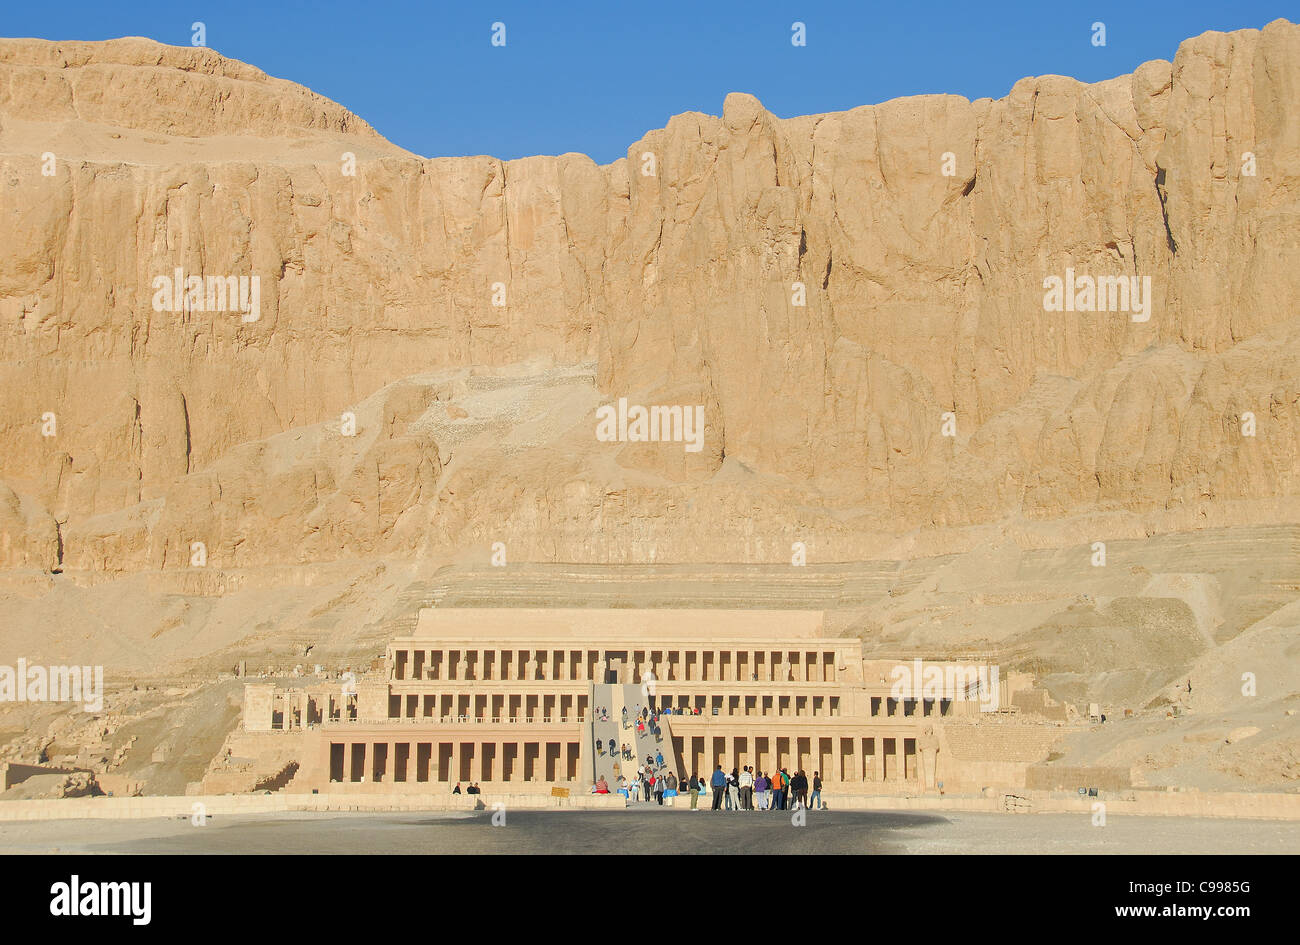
column 609, row 728
column 606, row 712
column 637, row 697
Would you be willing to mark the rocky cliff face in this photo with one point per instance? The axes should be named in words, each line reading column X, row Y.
column 828, row 287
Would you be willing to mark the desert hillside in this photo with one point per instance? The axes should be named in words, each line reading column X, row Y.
column 840, row 292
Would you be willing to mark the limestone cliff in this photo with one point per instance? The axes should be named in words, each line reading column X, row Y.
column 924, row 290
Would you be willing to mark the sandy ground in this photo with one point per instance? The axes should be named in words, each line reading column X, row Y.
column 654, row 831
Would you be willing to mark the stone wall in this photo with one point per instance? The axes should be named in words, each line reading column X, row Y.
column 1068, row 777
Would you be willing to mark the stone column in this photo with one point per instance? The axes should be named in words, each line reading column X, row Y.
column 927, row 756
column 323, row 759
column 435, row 761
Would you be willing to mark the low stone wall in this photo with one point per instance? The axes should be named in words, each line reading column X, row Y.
column 1144, row 803
column 1180, row 804
column 227, row 805
column 1066, row 777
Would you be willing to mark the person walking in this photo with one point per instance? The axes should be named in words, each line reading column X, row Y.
column 694, row 785
column 817, row 791
column 659, row 759
column 660, row 786
column 719, row 784
column 799, row 784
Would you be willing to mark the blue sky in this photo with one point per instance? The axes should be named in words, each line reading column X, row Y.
column 595, row 76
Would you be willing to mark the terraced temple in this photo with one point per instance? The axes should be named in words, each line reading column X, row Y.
column 519, row 698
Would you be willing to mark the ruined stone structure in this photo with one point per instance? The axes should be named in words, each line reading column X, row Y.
column 520, row 698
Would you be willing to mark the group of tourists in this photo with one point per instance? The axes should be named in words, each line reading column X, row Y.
column 743, row 789
column 739, row 789
column 649, row 784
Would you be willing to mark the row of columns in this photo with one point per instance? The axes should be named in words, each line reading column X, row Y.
column 298, row 708
column 493, row 761
column 797, row 705
column 838, row 758
column 515, row 707
column 569, row 707
column 694, row 664
column 772, row 704
column 888, row 708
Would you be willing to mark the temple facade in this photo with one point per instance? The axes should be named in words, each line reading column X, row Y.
column 528, row 700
